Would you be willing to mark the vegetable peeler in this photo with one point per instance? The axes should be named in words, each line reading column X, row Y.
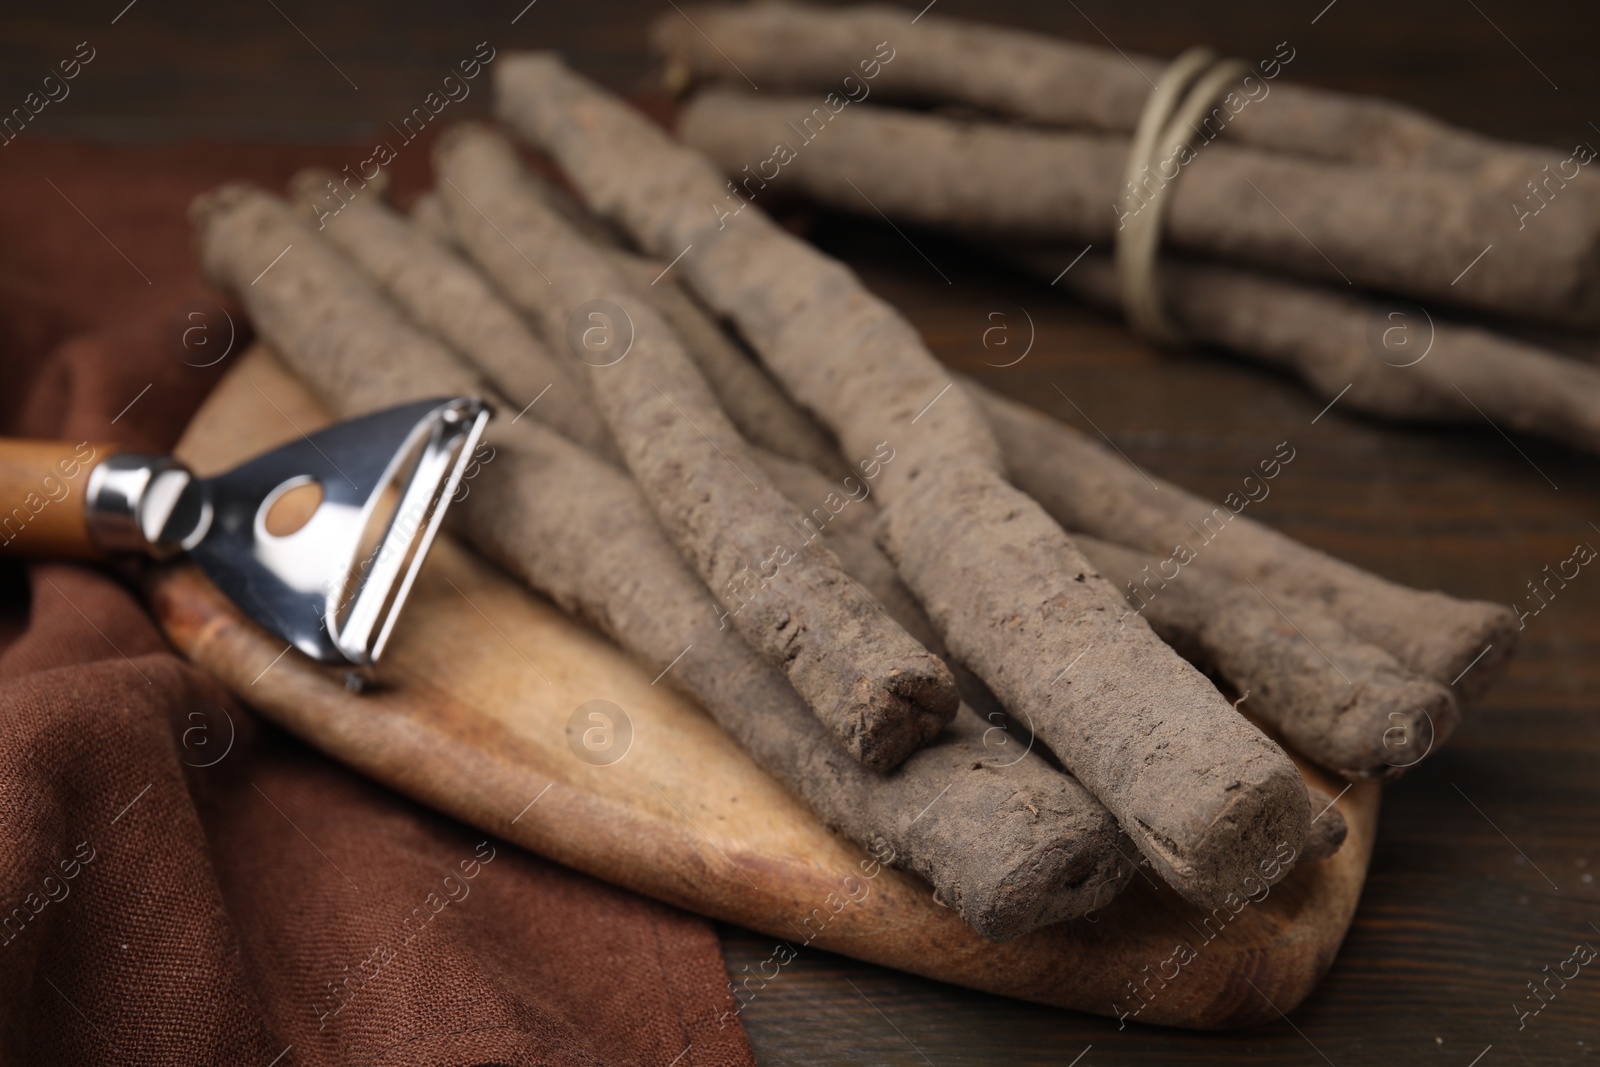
column 319, row 541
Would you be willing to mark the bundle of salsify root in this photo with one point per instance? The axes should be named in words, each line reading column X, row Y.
column 864, row 588
column 1417, row 271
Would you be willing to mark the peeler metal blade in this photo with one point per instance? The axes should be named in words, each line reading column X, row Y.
column 334, row 586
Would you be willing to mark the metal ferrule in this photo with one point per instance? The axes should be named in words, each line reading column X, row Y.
column 132, row 505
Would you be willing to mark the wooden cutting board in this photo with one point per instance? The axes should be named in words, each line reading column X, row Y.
column 477, row 715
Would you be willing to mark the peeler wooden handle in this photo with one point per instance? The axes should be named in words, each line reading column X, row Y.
column 43, row 488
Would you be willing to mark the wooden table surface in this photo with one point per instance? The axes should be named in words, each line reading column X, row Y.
column 1484, row 872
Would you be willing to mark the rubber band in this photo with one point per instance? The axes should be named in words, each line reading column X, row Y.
column 1190, row 86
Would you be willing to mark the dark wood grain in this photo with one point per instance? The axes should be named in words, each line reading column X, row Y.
column 1485, row 861
column 183, row 67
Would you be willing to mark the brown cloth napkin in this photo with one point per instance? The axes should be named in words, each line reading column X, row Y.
column 180, row 882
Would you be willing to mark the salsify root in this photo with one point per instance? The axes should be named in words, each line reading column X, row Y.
column 444, row 295
column 761, row 411
column 1461, row 643
column 1343, row 703
column 1404, row 231
column 1388, row 358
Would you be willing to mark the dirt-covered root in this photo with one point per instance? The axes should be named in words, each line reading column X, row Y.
column 1390, row 359
column 1334, row 698
column 1385, row 228
column 891, row 53
column 444, row 295
column 1464, row 643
